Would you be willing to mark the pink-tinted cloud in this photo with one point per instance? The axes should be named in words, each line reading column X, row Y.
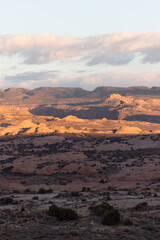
column 112, row 49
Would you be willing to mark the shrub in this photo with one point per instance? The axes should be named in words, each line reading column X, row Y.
column 43, row 191
column 35, row 198
column 49, row 190
column 127, row 222
column 22, row 209
column 111, row 217
column 27, row 190
column 54, row 210
column 6, row 200
column 75, row 194
column 102, row 181
column 99, row 209
column 107, row 196
column 16, row 191
column 62, row 214
column 148, row 227
column 141, row 206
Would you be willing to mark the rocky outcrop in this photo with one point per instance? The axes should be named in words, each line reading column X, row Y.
column 129, row 130
column 71, row 118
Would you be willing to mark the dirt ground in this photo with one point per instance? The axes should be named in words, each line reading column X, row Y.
column 79, row 171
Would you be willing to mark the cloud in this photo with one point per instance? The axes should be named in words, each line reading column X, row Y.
column 40, row 48
column 37, row 79
column 152, row 55
column 113, row 49
column 32, row 76
column 120, row 79
column 114, row 60
column 113, row 78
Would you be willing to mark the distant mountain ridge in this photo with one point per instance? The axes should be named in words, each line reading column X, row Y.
column 141, row 90
column 49, row 93
column 80, row 92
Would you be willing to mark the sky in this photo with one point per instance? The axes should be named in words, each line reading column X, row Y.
column 79, row 43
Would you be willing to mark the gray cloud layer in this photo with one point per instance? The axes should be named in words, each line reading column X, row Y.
column 112, row 49
column 113, row 78
column 32, row 76
column 114, row 60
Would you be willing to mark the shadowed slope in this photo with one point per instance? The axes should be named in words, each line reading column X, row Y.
column 90, row 113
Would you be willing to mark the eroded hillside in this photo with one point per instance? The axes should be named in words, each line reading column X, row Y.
column 67, row 110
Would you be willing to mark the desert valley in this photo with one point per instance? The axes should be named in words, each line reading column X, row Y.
column 95, row 153
column 105, row 110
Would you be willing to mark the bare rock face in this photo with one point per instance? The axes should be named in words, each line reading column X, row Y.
column 117, row 99
column 42, row 128
column 140, row 107
column 26, row 124
column 120, row 113
column 115, row 96
column 71, row 118
column 129, row 130
column 104, row 119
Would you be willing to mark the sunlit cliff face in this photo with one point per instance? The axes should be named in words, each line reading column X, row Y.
column 113, row 115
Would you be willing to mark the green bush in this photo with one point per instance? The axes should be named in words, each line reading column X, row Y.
column 62, row 214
